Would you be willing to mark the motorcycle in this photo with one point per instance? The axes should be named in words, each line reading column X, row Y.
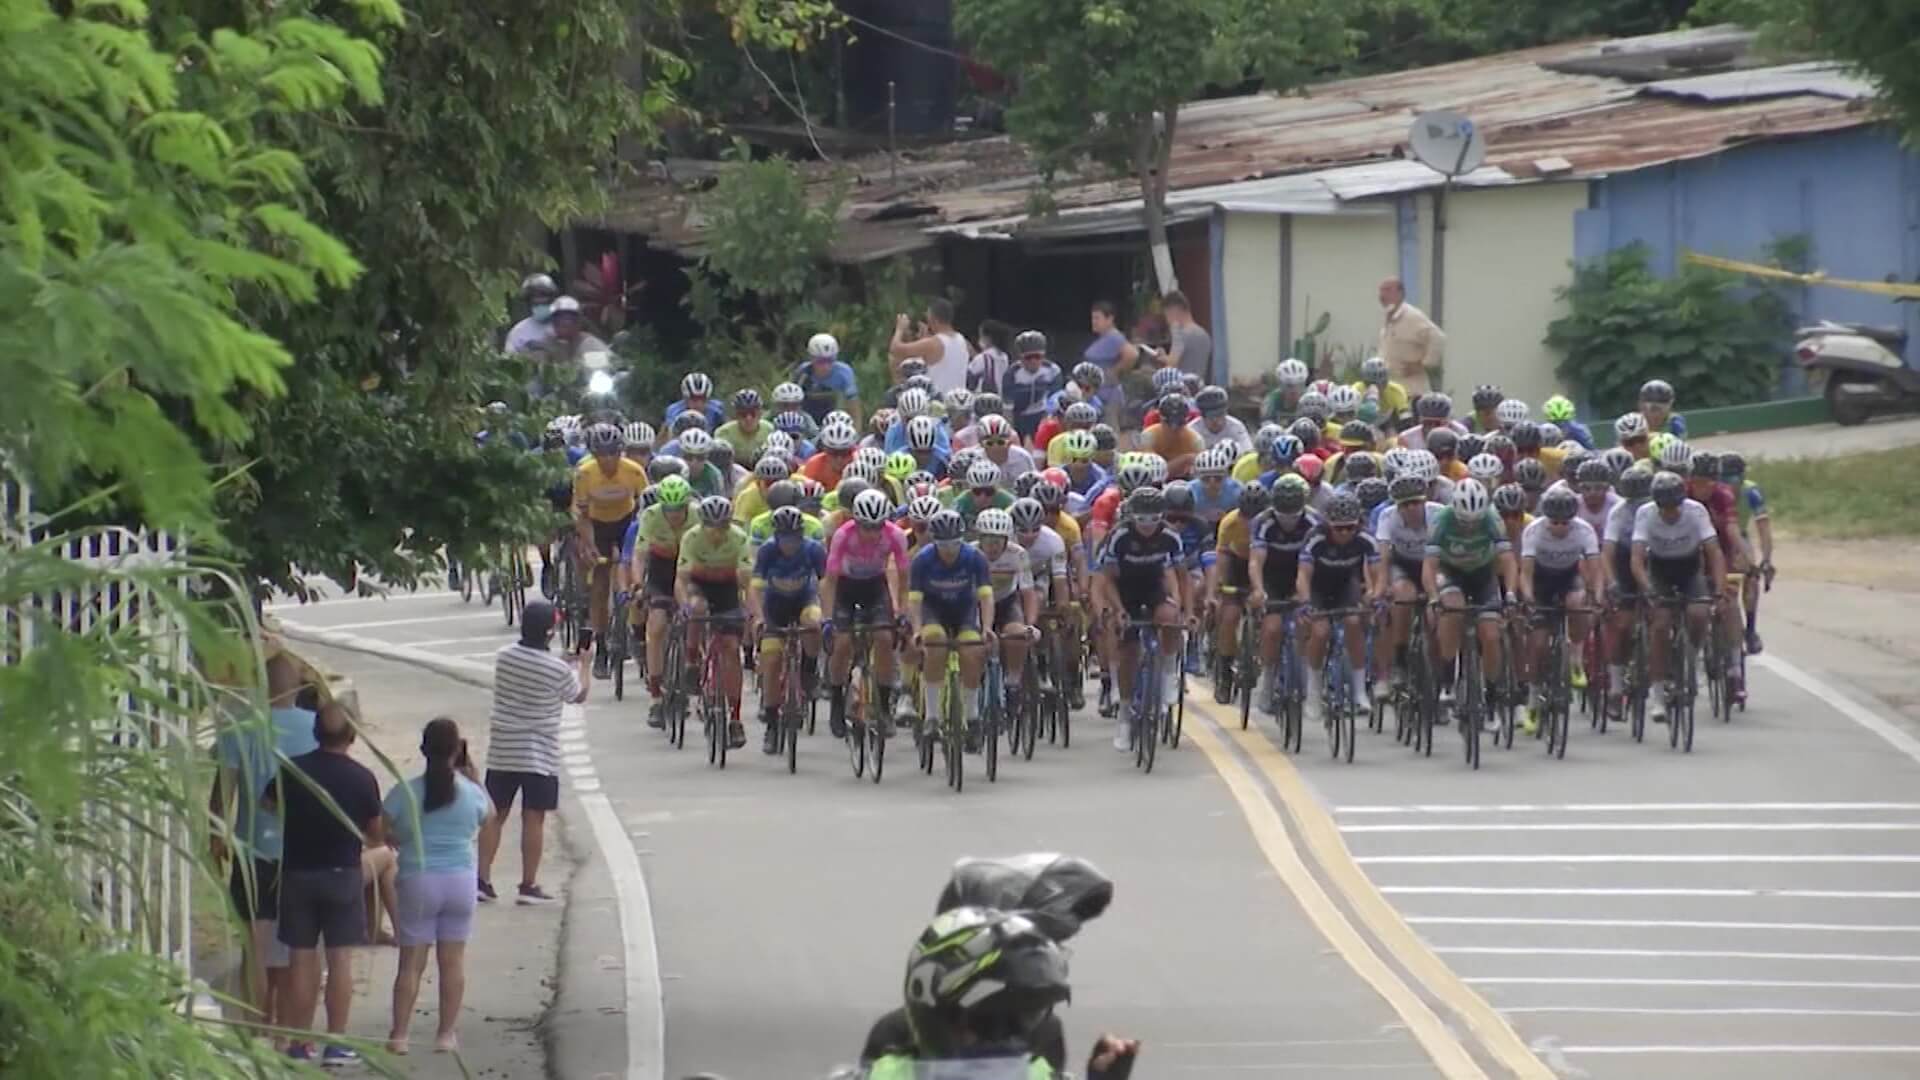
column 1861, row 369
column 600, row 396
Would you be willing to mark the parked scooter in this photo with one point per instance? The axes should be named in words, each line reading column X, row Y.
column 1863, row 368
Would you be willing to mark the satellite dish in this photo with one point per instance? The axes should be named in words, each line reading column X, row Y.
column 1447, row 142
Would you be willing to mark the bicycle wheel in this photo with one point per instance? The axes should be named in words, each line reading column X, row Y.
column 672, row 702
column 1471, row 693
column 618, row 633
column 1682, row 718
column 1638, row 679
column 990, row 735
column 1146, row 721
column 953, row 737
column 789, row 719
column 716, row 733
column 1177, row 716
column 877, row 746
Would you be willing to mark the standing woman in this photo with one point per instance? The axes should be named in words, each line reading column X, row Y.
column 990, row 364
column 433, row 820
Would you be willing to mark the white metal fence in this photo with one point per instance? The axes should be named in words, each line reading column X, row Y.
column 143, row 890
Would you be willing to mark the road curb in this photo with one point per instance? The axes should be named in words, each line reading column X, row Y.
column 605, row 1020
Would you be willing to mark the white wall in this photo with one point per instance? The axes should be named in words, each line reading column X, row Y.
column 1507, row 251
column 1250, row 267
column 1338, row 263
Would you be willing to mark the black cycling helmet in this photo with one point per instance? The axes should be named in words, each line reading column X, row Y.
column 1669, row 489
column 1499, row 445
column 947, row 526
column 988, row 403
column 783, row 493
column 1173, row 409
column 1570, row 465
column 1357, row 432
column 1406, row 488
column 1343, row 509
column 1471, row 446
column 1211, row 401
column 1253, row 499
column 1360, row 466
column 851, row 488
column 1145, row 502
column 1308, row 431
column 1178, row 497
column 1088, row 374
column 1027, row 342
column 1104, row 437
column 1559, row 505
column 1525, row 435
column 789, row 521
column 1027, row 513
column 1371, row 492
column 688, row 420
column 1530, row 474
column 1486, row 396
column 1289, row 494
column 1707, row 465
column 1443, row 441
column 1732, row 465
column 1433, row 406
column 1635, row 483
column 1658, row 391
column 746, row 399
column 1023, row 484
column 1509, row 498
column 663, row 466
column 1049, row 494
column 1594, row 471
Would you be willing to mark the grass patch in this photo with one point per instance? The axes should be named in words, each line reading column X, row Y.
column 1855, row 497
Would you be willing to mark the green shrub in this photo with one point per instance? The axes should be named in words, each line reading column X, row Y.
column 1702, row 330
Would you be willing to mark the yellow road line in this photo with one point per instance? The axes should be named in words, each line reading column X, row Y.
column 1452, row 1058
column 1378, row 915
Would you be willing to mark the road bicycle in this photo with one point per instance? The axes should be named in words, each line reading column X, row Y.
column 674, row 693
column 795, row 701
column 715, row 707
column 949, row 729
column 1415, row 701
column 509, row 581
column 1339, row 710
column 1554, row 680
column 1150, row 720
column 1472, row 708
column 1683, row 671
column 1287, row 686
column 1064, row 660
column 868, row 725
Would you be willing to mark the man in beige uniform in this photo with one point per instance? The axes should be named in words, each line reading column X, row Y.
column 1410, row 342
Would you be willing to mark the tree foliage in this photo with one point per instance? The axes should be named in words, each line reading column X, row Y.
column 1703, row 330
column 1103, row 80
column 1882, row 40
column 1394, row 35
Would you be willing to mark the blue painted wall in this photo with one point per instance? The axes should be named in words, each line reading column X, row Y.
column 1856, row 194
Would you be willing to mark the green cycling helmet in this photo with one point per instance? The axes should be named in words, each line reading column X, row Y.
column 674, row 492
column 901, row 465
column 1557, row 409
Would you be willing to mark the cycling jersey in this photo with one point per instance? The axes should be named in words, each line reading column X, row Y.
column 896, row 439
column 1231, row 431
column 662, row 537
column 1068, row 528
column 862, row 556
column 1407, row 542
column 1171, row 441
column 1282, row 541
column 1720, row 510
column 716, row 555
column 905, row 1067
column 825, row 388
column 760, row 530
column 1247, row 470
column 1089, row 484
column 950, row 586
column 969, row 505
column 605, row 496
column 746, row 445
column 823, row 468
column 1009, row 571
column 1558, row 554
column 1577, row 431
column 1750, row 504
column 1336, row 569
column 749, row 502
column 1194, row 541
column 711, row 409
column 1214, row 508
column 1047, row 555
column 1391, row 400
column 1415, row 438
column 1466, row 545
column 1018, row 464
column 1673, row 540
column 1233, row 536
column 1025, row 393
column 1280, row 407
column 1597, row 519
column 792, row 577
column 1138, row 562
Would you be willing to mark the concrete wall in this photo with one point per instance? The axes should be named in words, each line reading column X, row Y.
column 1507, row 251
column 1337, row 266
column 1250, row 279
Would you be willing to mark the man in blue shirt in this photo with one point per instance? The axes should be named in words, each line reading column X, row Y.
column 828, row 381
column 950, row 600
column 696, row 396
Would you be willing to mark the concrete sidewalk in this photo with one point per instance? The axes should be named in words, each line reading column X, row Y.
column 1818, row 440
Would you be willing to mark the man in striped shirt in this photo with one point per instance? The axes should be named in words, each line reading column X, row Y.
column 530, row 685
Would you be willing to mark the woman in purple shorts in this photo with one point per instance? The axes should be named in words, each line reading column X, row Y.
column 433, row 820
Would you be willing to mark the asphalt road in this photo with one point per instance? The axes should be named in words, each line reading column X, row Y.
column 1751, row 908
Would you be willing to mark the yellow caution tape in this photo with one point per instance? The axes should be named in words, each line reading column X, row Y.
column 1818, row 277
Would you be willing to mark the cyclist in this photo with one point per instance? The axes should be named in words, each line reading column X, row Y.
column 1509, row 412
column 1016, row 598
column 1656, row 405
column 1196, row 546
column 1084, row 479
column 638, row 437
column 785, row 591
column 959, row 405
column 836, row 451
column 1282, row 404
column 1228, row 583
column 696, row 396
column 733, row 475
column 1631, row 433
column 1435, row 413
column 1215, row 495
column 950, row 601
column 651, row 551
column 1444, row 445
column 1278, row 535
column 1029, row 382
column 1594, row 481
column 1000, row 444
column 1311, row 435
column 1750, row 505
column 1106, row 445
column 1671, row 534
column 1339, row 570
column 1559, row 567
column 1558, row 410
column 1529, row 444
column 866, row 576
column 695, row 448
column 784, row 493
column 1392, row 408
column 1510, row 503
column 826, row 382
column 1616, row 559
column 1217, row 427
column 1705, row 488
column 1403, row 530
column 714, row 561
column 1486, row 403
column 1074, row 416
column 751, row 500
column 606, row 496
column 745, row 433
column 983, row 491
column 1141, row 567
column 1049, row 558
column 1469, row 563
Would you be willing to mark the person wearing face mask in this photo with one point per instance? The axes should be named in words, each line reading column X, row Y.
column 532, row 333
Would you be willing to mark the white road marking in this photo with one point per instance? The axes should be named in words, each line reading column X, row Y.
column 1696, row 954
column 1639, row 826
column 1792, row 894
column 1785, row 984
column 1770, row 1048
column 1651, row 924
column 283, row 607
column 1639, row 1011
column 465, row 616
column 1608, row 808
column 1457, row 860
column 1859, row 714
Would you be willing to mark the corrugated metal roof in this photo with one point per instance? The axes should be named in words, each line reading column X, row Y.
column 1823, row 79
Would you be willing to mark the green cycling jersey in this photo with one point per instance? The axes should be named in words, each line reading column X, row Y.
column 716, row 554
column 1466, row 544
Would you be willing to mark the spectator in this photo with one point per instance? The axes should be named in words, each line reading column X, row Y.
column 321, row 886
column 530, row 685
column 249, row 757
column 942, row 347
column 1115, row 356
column 1412, row 345
column 532, row 333
column 990, row 364
column 433, row 820
column 1190, row 347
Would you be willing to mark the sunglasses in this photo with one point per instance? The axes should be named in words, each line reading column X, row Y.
column 1341, row 528
column 1146, row 519
column 987, row 491
column 996, row 442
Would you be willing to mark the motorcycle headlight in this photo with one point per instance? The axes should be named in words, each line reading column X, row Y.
column 600, row 382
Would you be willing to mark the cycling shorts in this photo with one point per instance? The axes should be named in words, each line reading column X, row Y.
column 861, row 602
column 781, row 612
column 1010, row 610
column 1282, row 577
column 722, row 597
column 661, row 570
column 1400, row 569
column 1140, row 601
column 941, row 622
column 607, row 536
column 1681, row 577
column 1233, row 573
column 1478, row 587
column 1347, row 592
column 1551, row 587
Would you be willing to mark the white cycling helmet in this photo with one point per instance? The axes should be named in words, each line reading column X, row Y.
column 1292, row 373
column 994, row 521
column 788, row 393
column 1486, row 468
column 1630, row 426
column 922, row 433
column 913, row 402
column 695, row 443
column 842, row 415
column 838, row 436
column 1397, row 461
column 696, row 384
column 1215, row 461
column 779, row 444
column 871, row 455
column 923, row 507
column 958, row 400
column 1423, row 464
column 1156, row 469
column 1470, row 498
column 1511, row 411
column 1676, row 455
column 994, row 426
column 871, row 507
column 823, row 347
column 1343, row 400
column 639, row 436
column 983, row 474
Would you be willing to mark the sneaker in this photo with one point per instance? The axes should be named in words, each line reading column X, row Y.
column 1579, row 676
column 1077, row 696
column 337, row 1057
column 485, row 892
column 657, row 716
column 300, row 1052
column 1753, row 643
column 1657, row 708
column 903, row 708
column 770, row 743
column 736, row 735
column 533, row 895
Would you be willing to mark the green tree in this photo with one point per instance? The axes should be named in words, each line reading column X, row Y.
column 1882, row 40
column 1104, row 80
column 1393, row 35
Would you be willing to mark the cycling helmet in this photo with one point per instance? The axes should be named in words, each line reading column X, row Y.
column 795, row 422
column 1705, row 465
column 871, row 507
column 537, row 287
column 1145, row 505
column 1253, row 499
column 994, row 521
column 983, row 474
column 1027, row 514
column 1433, row 406
column 1500, row 446
column 1313, row 405
column 1656, row 443
column 696, row 385
column 993, row 427
column 1079, row 445
column 1511, row 411
column 1292, row 373
column 1657, row 391
column 1486, row 468
column 1486, row 396
column 1373, row 370
column 721, row 456
column 1571, row 460
column 1308, row 431
column 663, row 466
column 1443, row 441
column 1343, row 509
column 1211, row 401
column 900, row 465
column 744, row 400
column 695, row 442
column 779, row 444
column 1343, row 400
column 1215, row 460
column 1636, row 482
column 674, row 491
column 1471, row 445
column 911, row 367
column 1309, row 468
column 923, row 507
column 986, row 401
column 1133, row 475
column 789, row 521
column 1104, row 437
column 1356, row 433
column 923, row 432
column 605, row 439
column 789, row 393
column 1371, row 492
column 1088, row 374
column 1668, row 489
column 1396, row 461
column 638, row 436
column 838, row 437
column 1190, row 384
column 852, row 486
column 1049, row 494
column 1619, row 459
column 823, row 347
column 1551, row 435
column 1407, row 488
column 1423, row 464
column 1023, row 484
column 1530, row 474
column 947, row 526
column 1029, row 342
column 812, row 493
column 1178, row 495
column 1525, row 435
column 1509, row 499
column 1290, row 494
column 864, row 471
column 873, row 457
column 1166, row 381
column 1156, row 468
column 1360, row 466
column 1285, row 449
column 912, row 402
column 1172, row 408
column 1470, row 498
column 1732, row 467
column 1557, row 408
column 716, row 510
column 1594, row 472
column 1676, row 455
column 688, row 420
column 771, row 469
column 960, row 462
column 1263, row 439
column 1630, row 426
column 1069, row 394
column 958, row 400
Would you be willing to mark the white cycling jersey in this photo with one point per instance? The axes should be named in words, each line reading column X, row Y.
column 1408, row 542
column 1047, row 555
column 1009, row 570
column 1558, row 554
column 1678, row 539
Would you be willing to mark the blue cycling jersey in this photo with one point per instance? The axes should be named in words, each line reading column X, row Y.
column 1211, row 508
column 716, row 415
column 951, row 585
column 1194, row 539
column 1577, row 431
column 896, row 440
column 791, row 576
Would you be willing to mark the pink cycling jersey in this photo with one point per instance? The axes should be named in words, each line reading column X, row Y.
column 862, row 555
